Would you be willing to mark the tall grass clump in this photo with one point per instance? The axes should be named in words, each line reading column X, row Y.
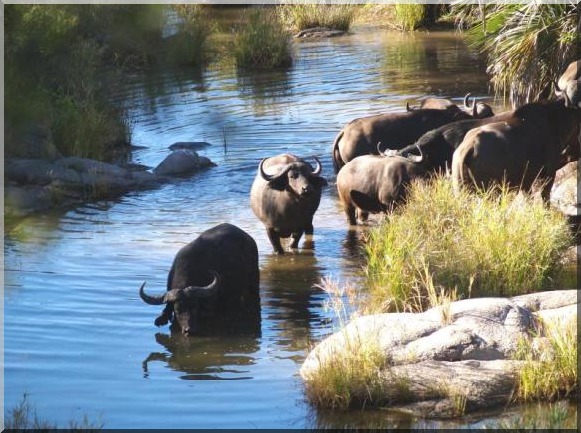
column 188, row 47
column 350, row 377
column 550, row 368
column 262, row 41
column 493, row 243
column 303, row 16
column 409, row 17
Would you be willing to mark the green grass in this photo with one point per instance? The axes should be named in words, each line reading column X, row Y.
column 262, row 41
column 303, row 16
column 554, row 419
column 409, row 17
column 495, row 243
column 189, row 46
column 550, row 368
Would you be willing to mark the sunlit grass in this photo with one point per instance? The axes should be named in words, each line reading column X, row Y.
column 189, row 45
column 550, row 367
column 495, row 243
column 301, row 16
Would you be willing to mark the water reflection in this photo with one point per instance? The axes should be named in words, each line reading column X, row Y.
column 217, row 357
column 292, row 303
column 264, row 92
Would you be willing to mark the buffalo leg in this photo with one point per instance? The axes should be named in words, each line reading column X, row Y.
column 274, row 238
column 296, row 237
column 351, row 214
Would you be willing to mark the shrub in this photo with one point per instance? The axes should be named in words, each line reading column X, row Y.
column 409, row 17
column 494, row 243
column 303, row 16
column 262, row 41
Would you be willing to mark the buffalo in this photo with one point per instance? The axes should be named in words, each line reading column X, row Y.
column 394, row 130
column 568, row 84
column 285, row 196
column 478, row 110
column 438, row 146
column 214, row 276
column 531, row 145
column 373, row 184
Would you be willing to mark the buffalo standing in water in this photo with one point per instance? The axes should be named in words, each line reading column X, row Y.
column 285, row 196
column 215, row 276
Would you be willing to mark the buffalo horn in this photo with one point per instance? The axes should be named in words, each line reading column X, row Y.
column 196, row 292
column 407, row 107
column 558, row 90
column 151, row 300
column 268, row 177
column 416, row 158
column 379, row 148
column 466, row 100
column 318, row 168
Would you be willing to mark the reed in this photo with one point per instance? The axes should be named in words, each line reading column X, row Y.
column 262, row 41
column 301, row 16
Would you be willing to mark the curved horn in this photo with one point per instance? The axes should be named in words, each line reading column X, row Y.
column 407, row 107
column 379, row 151
column 318, row 168
column 416, row 158
column 268, row 177
column 466, row 101
column 198, row 292
column 568, row 102
column 151, row 300
column 474, row 108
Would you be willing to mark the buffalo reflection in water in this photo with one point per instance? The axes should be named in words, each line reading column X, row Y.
column 225, row 354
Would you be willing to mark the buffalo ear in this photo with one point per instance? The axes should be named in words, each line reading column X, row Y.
column 319, row 181
column 278, row 183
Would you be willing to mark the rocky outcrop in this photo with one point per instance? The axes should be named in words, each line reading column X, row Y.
column 34, row 185
column 451, row 357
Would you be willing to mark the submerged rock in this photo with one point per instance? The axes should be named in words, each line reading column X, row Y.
column 190, row 145
column 182, row 162
column 459, row 353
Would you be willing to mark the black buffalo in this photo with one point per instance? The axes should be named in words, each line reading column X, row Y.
column 373, row 184
column 393, row 130
column 285, row 196
column 215, row 275
column 438, row 146
column 531, row 145
column 478, row 110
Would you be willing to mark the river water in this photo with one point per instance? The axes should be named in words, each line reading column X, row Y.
column 78, row 339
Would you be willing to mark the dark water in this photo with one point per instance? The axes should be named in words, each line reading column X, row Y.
column 78, row 340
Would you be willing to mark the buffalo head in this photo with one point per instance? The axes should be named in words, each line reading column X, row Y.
column 187, row 303
column 478, row 110
column 296, row 177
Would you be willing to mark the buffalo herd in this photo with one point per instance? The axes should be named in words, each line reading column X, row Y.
column 375, row 158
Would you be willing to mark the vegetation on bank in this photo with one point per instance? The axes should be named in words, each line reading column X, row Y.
column 303, row 16
column 496, row 243
column 23, row 417
column 527, row 46
column 262, row 41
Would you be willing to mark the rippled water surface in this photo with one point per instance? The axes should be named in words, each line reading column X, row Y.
column 78, row 340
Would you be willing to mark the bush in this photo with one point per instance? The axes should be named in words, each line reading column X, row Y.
column 262, row 41
column 495, row 243
column 304, row 16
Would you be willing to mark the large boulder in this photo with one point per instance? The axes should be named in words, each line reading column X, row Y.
column 463, row 351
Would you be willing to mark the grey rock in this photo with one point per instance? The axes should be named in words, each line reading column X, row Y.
column 461, row 352
column 181, row 162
